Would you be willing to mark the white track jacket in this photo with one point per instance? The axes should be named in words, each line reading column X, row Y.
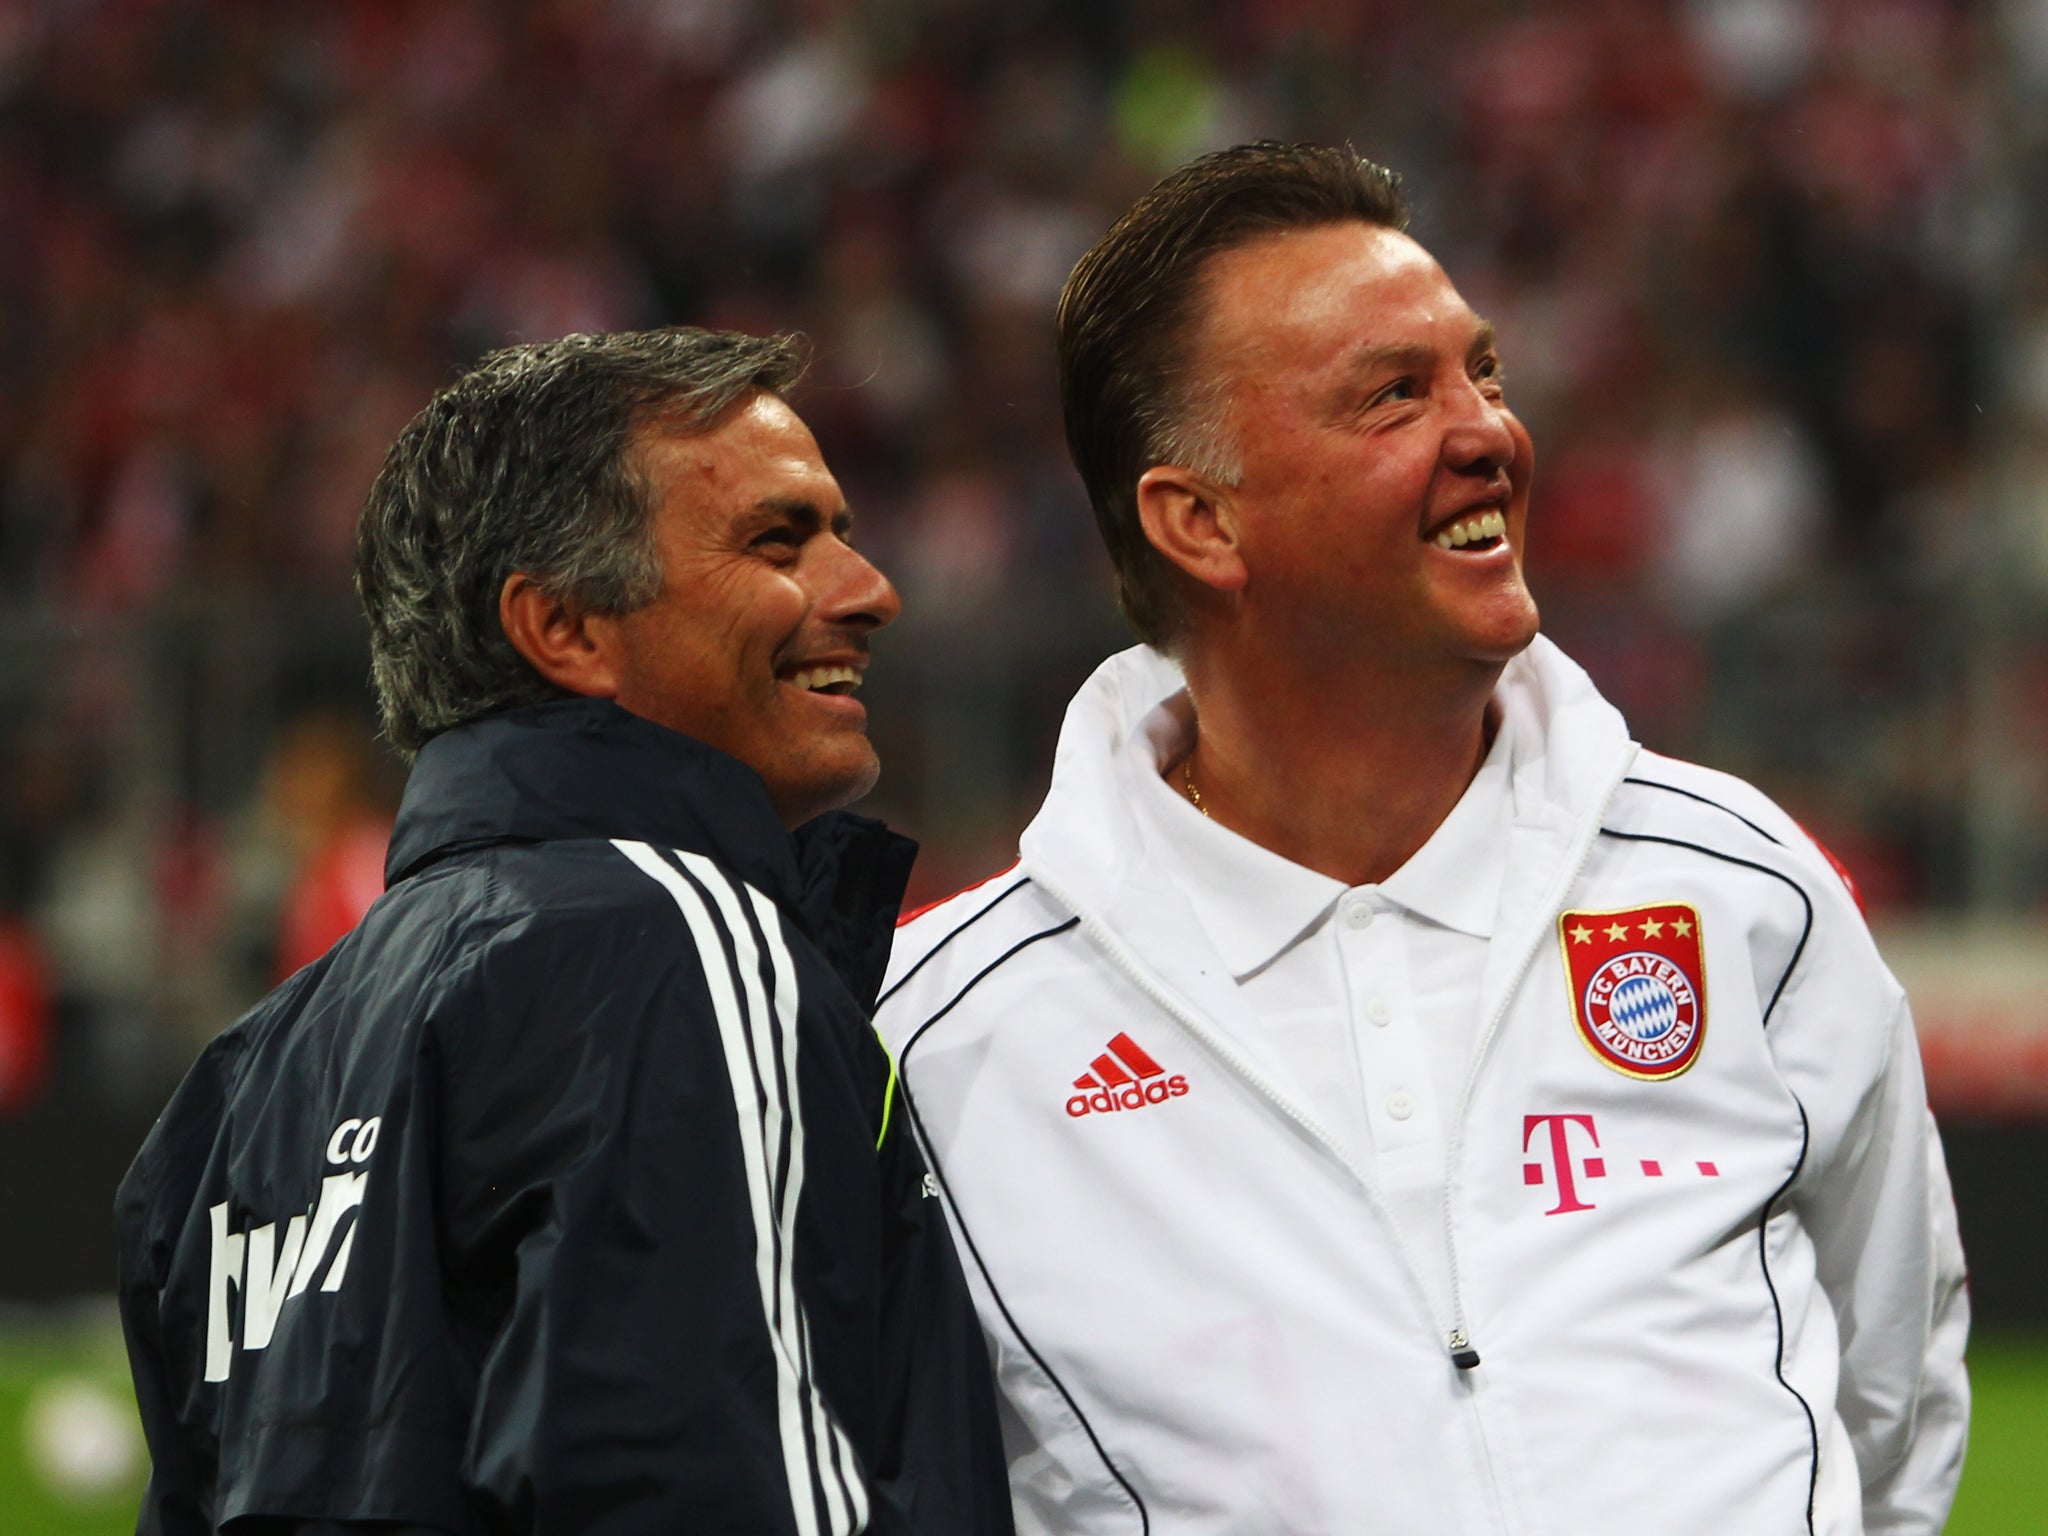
column 1703, row 1247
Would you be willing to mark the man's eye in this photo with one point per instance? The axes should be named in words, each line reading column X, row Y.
column 777, row 543
column 1400, row 389
column 1489, row 371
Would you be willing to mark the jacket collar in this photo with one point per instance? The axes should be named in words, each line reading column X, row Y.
column 585, row 768
column 1570, row 751
column 1570, row 746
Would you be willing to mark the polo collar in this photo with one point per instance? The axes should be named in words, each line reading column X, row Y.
column 1454, row 879
column 1254, row 904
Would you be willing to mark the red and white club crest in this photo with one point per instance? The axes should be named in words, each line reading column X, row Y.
column 1638, row 986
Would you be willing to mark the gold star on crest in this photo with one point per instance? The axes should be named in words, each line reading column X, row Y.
column 1652, row 928
column 1681, row 927
column 1582, row 934
column 1617, row 931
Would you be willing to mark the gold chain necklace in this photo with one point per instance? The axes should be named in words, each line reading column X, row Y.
column 1187, row 783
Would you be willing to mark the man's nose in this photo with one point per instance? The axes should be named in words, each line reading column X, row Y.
column 853, row 591
column 1480, row 440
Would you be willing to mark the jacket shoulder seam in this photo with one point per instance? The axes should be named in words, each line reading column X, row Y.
column 1806, row 900
column 1707, row 800
column 1067, row 926
column 951, row 934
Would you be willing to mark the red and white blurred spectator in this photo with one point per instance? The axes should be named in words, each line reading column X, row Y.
column 24, row 1017
column 322, row 788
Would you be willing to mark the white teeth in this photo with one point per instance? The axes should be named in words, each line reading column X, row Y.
column 1473, row 530
column 814, row 678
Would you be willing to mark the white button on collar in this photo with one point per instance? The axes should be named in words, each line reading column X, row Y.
column 1358, row 913
column 1399, row 1105
column 1379, row 1011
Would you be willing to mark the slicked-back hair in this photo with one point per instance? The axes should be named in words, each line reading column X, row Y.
column 1129, row 320
column 526, row 463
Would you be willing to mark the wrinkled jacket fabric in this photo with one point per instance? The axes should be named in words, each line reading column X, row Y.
column 566, row 1193
column 1746, row 1315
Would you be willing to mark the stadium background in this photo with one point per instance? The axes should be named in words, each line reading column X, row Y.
column 1770, row 278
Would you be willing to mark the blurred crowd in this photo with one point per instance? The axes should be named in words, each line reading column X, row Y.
column 1768, row 275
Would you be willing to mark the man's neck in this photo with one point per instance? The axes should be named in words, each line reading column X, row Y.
column 1348, row 781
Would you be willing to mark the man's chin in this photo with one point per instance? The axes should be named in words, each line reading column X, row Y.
column 799, row 797
column 1504, row 635
column 1502, row 650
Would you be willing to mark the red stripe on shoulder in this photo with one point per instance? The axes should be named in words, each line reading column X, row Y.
column 917, row 912
column 1839, row 868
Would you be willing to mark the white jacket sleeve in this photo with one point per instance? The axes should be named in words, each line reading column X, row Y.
column 1891, row 1262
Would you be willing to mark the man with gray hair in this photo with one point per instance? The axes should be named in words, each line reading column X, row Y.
column 566, row 1193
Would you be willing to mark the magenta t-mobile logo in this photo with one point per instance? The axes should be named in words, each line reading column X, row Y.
column 1561, row 1158
column 1564, row 1172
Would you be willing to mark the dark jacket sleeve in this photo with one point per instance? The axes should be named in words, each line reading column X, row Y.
column 161, row 1184
column 171, row 1503
column 621, row 1192
column 948, row 1474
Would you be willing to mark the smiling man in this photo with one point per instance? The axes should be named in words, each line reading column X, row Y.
column 1384, row 1097
column 565, row 1194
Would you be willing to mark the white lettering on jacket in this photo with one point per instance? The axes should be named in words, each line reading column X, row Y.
column 265, row 1273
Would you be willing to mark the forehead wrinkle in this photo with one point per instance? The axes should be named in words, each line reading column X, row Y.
column 1238, row 341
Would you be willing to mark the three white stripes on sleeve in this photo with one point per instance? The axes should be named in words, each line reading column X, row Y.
column 826, row 1487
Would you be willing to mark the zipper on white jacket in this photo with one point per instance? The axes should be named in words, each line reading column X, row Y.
column 1464, row 1354
column 1457, row 1338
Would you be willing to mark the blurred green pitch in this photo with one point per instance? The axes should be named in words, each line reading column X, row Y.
column 2005, row 1486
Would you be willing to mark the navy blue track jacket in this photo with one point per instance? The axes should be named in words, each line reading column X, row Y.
column 567, row 1193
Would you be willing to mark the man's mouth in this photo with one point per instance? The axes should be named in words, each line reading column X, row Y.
column 1478, row 529
column 837, row 679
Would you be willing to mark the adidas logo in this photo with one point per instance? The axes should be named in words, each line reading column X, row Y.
column 1123, row 1077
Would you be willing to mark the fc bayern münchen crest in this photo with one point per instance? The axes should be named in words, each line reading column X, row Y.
column 1638, row 986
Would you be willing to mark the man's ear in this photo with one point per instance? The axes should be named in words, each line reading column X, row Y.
column 558, row 640
column 1191, row 522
